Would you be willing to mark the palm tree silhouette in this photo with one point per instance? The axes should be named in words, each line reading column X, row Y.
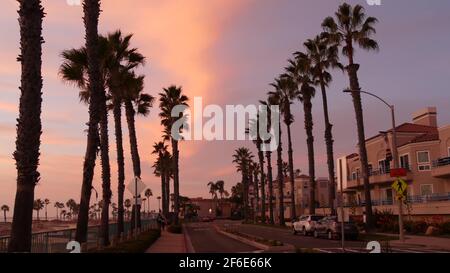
column 29, row 126
column 353, row 28
column 170, row 98
column 243, row 158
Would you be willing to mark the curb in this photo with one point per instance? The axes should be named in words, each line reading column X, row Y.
column 187, row 241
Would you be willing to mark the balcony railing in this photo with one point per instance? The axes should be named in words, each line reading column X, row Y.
column 441, row 162
column 414, row 199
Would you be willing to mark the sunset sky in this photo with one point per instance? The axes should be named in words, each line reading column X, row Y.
column 226, row 51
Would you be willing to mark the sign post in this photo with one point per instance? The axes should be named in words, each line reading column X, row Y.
column 400, row 186
column 136, row 187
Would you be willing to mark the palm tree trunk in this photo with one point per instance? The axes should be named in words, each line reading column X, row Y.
column 270, row 179
column 291, row 173
column 167, row 185
column 91, row 10
column 352, row 70
column 130, row 113
column 330, row 153
column 263, row 185
column 4, row 215
column 307, row 107
column 245, row 185
column 280, row 179
column 120, row 166
column 256, row 188
column 176, row 185
column 106, row 171
column 46, row 213
column 31, row 14
column 163, row 192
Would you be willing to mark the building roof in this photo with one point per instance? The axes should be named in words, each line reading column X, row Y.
column 427, row 133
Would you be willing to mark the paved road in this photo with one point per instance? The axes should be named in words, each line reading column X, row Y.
column 205, row 239
column 286, row 236
column 322, row 245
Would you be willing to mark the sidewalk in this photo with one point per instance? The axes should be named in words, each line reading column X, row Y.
column 168, row 243
column 423, row 241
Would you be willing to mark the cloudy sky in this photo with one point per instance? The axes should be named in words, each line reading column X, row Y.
column 227, row 52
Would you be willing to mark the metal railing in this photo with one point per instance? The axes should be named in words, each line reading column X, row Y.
column 56, row 241
column 412, row 199
column 445, row 161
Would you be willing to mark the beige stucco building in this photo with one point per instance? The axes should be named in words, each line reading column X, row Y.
column 423, row 149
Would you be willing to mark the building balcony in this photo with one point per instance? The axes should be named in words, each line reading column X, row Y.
column 441, row 168
column 376, row 176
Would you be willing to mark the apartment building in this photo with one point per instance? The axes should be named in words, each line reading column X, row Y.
column 301, row 194
column 423, row 150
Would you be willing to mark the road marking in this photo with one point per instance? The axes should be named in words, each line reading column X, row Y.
column 323, row 250
column 355, row 251
column 405, row 250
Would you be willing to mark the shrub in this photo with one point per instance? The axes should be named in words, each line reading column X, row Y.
column 144, row 241
column 445, row 228
column 175, row 229
column 419, row 227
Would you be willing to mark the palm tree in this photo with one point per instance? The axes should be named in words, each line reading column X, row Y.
column 97, row 110
column 213, row 190
column 286, row 93
column 162, row 170
column 46, row 203
column 243, row 158
column 300, row 72
column 276, row 99
column 253, row 130
column 29, row 127
column 58, row 205
column 63, row 214
column 37, row 206
column 5, row 209
column 148, row 193
column 169, row 99
column 269, row 166
column 324, row 56
column 221, row 189
column 353, row 28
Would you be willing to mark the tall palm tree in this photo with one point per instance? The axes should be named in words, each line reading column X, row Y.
column 5, row 209
column 253, row 131
column 161, row 168
column 46, row 203
column 58, row 206
column 91, row 10
column 324, row 56
column 269, row 165
column 243, row 158
column 275, row 99
column 123, row 60
column 221, row 189
column 353, row 28
column 171, row 97
column 29, row 127
column 286, row 93
column 300, row 72
column 136, row 103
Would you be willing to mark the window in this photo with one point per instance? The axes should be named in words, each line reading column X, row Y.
column 404, row 161
column 426, row 189
column 353, row 175
column 370, row 169
column 423, row 161
column 358, row 173
column 384, row 166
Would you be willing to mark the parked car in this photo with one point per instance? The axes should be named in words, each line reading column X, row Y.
column 306, row 224
column 330, row 228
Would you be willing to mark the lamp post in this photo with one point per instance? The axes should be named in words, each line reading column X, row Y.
column 394, row 152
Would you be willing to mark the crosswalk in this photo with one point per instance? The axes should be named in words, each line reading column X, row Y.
column 392, row 250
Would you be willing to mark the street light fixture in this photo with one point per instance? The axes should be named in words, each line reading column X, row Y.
column 394, row 151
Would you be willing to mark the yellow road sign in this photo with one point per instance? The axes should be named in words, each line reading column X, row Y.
column 400, row 186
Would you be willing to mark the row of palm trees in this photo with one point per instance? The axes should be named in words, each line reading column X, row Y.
column 307, row 70
column 166, row 165
column 104, row 71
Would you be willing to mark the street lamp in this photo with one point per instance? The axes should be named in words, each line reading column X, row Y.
column 394, row 151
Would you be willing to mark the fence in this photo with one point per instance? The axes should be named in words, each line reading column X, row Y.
column 56, row 241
